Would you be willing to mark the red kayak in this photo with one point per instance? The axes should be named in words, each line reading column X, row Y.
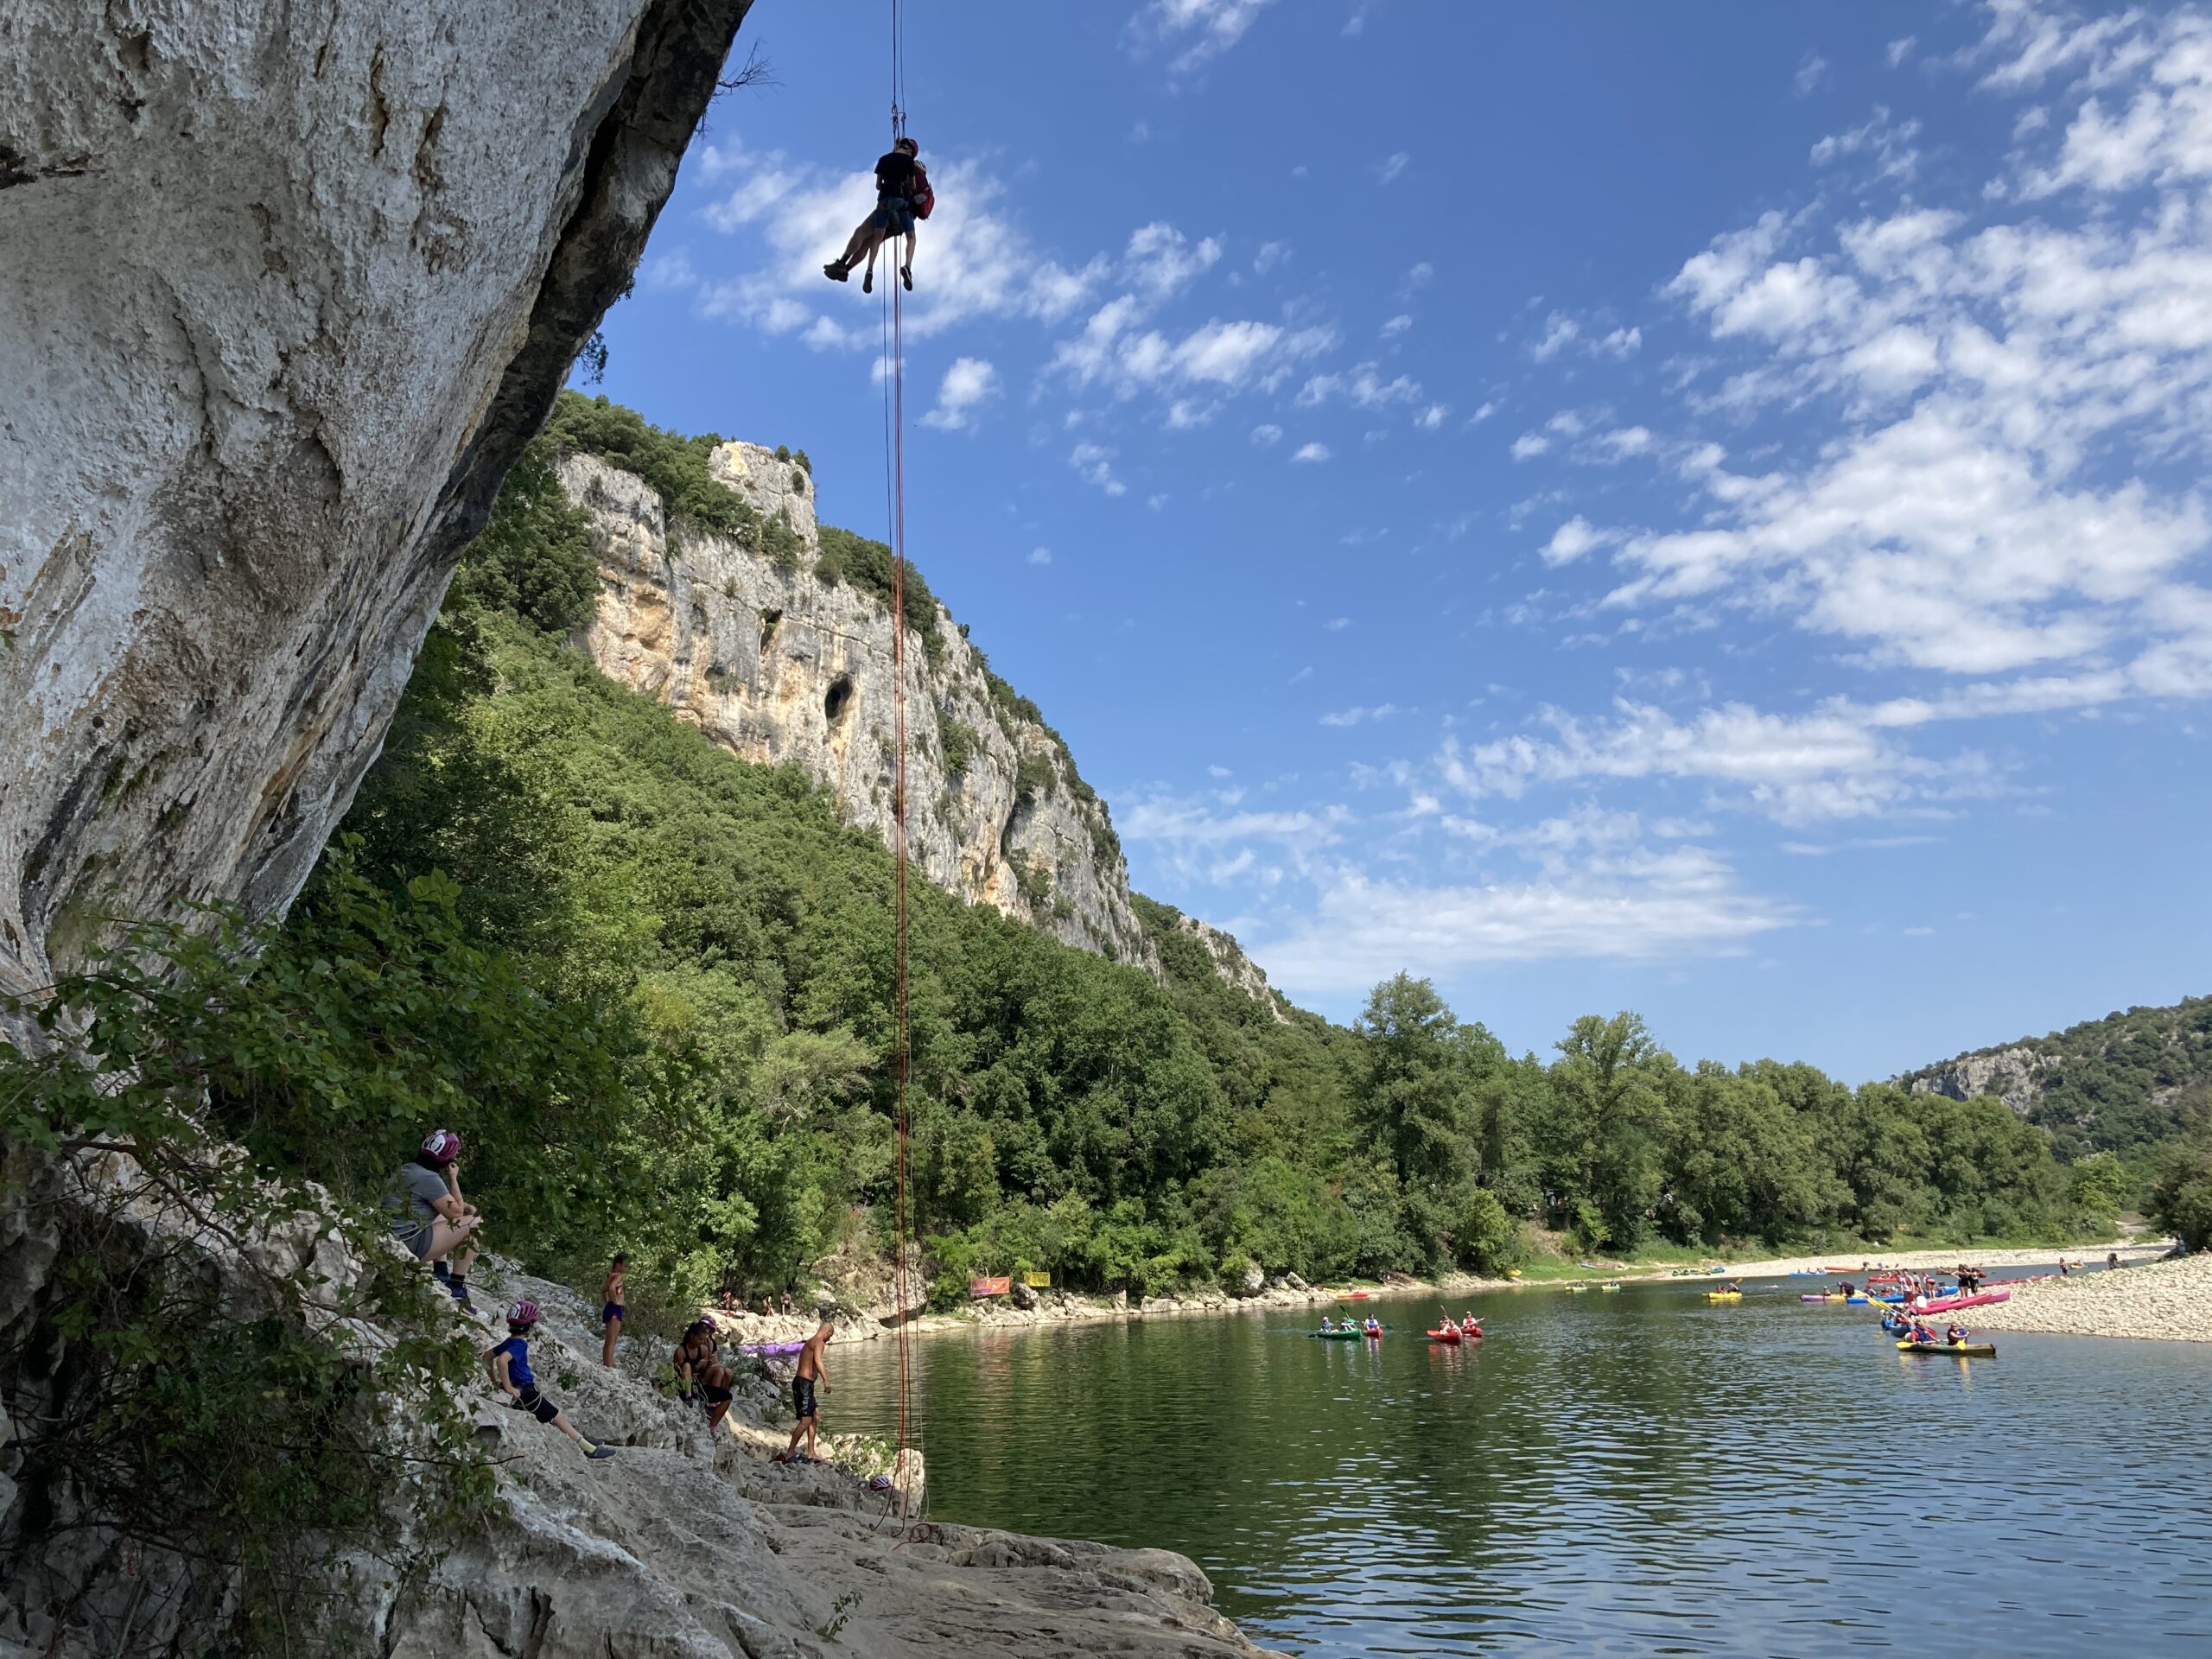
column 1455, row 1336
column 1951, row 1304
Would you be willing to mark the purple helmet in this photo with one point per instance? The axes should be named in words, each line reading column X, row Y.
column 443, row 1145
column 523, row 1313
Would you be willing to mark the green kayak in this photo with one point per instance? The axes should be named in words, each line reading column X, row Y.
column 1337, row 1335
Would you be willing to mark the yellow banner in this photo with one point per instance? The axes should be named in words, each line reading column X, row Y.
column 1038, row 1281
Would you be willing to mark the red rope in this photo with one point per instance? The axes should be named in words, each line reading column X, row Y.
column 901, row 1029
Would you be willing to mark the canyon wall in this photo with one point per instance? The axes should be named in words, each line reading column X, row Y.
column 285, row 285
column 782, row 665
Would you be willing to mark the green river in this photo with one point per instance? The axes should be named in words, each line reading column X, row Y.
column 1641, row 1472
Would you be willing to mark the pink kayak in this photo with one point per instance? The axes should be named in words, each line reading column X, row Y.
column 1951, row 1304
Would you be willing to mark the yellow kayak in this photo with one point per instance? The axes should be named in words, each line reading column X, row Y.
column 1723, row 1296
column 1609, row 1286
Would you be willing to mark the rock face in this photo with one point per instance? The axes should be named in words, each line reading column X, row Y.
column 2014, row 1076
column 285, row 288
column 1235, row 968
column 780, row 666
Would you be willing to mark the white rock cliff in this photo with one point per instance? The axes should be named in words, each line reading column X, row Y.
column 285, row 285
column 780, row 666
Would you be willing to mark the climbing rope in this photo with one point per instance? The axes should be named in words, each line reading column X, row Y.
column 894, row 387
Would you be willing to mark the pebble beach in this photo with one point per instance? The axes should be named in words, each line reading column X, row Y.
column 2167, row 1301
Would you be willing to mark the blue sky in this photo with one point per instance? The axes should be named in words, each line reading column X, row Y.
column 1605, row 506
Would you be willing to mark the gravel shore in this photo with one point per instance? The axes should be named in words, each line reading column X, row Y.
column 2169, row 1302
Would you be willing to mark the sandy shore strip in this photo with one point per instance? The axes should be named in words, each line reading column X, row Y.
column 2164, row 1302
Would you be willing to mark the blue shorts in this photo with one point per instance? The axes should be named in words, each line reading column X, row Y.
column 893, row 218
column 612, row 1311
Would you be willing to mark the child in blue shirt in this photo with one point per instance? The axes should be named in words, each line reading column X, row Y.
column 510, row 1366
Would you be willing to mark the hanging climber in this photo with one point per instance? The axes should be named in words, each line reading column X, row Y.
column 902, row 196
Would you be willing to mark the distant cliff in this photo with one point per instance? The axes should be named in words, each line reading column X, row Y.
column 771, row 638
column 2117, row 1082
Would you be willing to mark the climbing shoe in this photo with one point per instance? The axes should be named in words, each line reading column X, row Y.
column 834, row 270
column 599, row 1452
column 906, row 277
column 867, row 280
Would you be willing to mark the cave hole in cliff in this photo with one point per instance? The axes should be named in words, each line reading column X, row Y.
column 768, row 620
column 837, row 698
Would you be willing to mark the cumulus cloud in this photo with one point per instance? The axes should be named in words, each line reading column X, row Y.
column 1095, row 463
column 1040, row 555
column 1195, row 31
column 1389, row 169
column 1571, row 541
column 1267, row 434
column 1358, row 713
column 1529, row 445
column 1312, row 451
column 970, row 383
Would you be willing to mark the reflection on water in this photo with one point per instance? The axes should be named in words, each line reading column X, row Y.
column 1633, row 1474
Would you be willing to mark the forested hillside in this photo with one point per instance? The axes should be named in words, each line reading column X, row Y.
column 701, row 1074
column 2118, row 1084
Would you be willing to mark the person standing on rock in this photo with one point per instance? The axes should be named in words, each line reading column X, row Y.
column 508, row 1363
column 612, row 1308
column 429, row 1215
column 902, row 196
column 810, row 1374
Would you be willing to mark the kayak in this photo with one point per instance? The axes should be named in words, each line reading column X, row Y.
column 770, row 1350
column 1723, row 1296
column 1957, row 1350
column 1576, row 1290
column 1609, row 1286
column 1980, row 1298
column 1335, row 1336
column 1455, row 1336
column 1836, row 1297
column 1856, row 1301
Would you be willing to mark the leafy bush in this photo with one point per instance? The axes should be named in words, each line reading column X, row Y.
column 959, row 741
column 675, row 465
column 866, row 565
column 535, row 558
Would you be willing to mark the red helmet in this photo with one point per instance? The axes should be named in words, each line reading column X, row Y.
column 442, row 1146
column 523, row 1313
column 907, row 144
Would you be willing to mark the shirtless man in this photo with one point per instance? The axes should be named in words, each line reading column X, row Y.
column 804, row 1380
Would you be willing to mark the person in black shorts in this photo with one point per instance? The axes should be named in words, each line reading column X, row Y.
column 902, row 194
column 810, row 1372
column 700, row 1371
column 508, row 1363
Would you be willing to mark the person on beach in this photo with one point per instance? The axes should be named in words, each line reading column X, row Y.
column 810, row 1375
column 508, row 1363
column 700, row 1371
column 2112, row 1260
column 611, row 1308
column 429, row 1215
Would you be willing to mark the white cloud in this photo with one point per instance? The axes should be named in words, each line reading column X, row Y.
column 1529, row 444
column 1432, row 417
column 1040, row 555
column 1364, row 385
column 1421, row 275
column 1095, row 462
column 1203, row 29
column 1560, row 331
column 1269, row 254
column 1358, row 713
column 1901, row 48
column 1388, row 170
column 672, row 271
column 1266, row 434
column 1888, row 143
column 1338, row 624
column 1810, row 73
column 1312, row 451
column 970, row 383
column 1160, row 260
column 1397, row 325
column 1571, row 541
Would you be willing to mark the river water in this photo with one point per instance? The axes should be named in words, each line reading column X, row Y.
column 1642, row 1473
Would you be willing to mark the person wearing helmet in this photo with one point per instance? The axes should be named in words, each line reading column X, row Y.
column 902, row 196
column 429, row 1215
column 699, row 1369
column 510, row 1365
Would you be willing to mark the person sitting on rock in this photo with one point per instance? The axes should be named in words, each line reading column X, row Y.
column 429, row 1215
column 700, row 1371
column 902, row 196
column 509, row 1361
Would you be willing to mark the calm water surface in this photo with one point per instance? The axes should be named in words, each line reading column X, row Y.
column 1636, row 1473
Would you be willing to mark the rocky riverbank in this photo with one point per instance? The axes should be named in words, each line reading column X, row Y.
column 696, row 1543
column 2166, row 1301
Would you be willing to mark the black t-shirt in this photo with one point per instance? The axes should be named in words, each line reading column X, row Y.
column 894, row 176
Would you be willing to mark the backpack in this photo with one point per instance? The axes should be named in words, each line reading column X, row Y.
column 920, row 195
